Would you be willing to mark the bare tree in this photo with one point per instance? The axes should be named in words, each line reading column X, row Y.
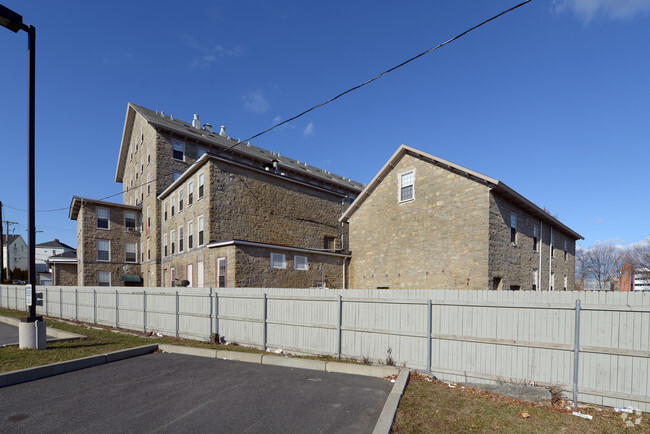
column 601, row 263
column 581, row 255
column 639, row 254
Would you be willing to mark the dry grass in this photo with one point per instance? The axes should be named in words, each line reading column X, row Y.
column 432, row 406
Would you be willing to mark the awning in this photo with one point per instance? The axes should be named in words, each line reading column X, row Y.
column 131, row 278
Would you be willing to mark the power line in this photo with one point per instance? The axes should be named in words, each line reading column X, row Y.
column 239, row 142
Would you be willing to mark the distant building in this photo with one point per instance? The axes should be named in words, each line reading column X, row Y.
column 632, row 278
column 44, row 251
column 426, row 223
column 15, row 252
column 64, row 268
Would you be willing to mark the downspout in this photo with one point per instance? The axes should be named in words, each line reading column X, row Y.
column 344, row 273
column 539, row 275
column 550, row 260
column 160, row 241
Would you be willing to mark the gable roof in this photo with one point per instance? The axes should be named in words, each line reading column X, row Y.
column 56, row 244
column 77, row 202
column 492, row 183
column 10, row 239
column 65, row 257
column 214, row 140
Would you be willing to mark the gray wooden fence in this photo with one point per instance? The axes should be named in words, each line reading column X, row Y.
column 595, row 344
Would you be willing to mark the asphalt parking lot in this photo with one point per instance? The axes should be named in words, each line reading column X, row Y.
column 8, row 334
column 172, row 392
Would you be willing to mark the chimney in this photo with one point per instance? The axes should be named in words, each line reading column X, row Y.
column 207, row 127
column 223, row 131
column 195, row 122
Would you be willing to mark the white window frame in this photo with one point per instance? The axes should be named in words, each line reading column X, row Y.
column 108, row 218
column 190, row 235
column 104, row 273
column 221, row 268
column 535, row 239
column 108, row 250
column 199, row 274
column 190, row 274
column 300, row 263
column 201, row 186
column 180, row 200
column 190, row 193
column 148, row 249
column 180, row 238
column 172, row 239
column 133, row 217
column 178, row 146
column 199, row 225
column 135, row 252
column 400, row 176
column 165, row 245
column 278, row 260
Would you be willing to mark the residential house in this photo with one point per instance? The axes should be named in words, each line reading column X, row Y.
column 44, row 251
column 423, row 222
column 15, row 253
column 213, row 211
column 64, row 269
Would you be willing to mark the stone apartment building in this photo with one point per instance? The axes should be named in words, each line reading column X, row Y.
column 426, row 223
column 213, row 212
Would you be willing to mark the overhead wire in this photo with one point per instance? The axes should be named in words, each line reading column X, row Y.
column 376, row 77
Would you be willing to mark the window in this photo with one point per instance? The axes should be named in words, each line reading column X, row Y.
column 329, row 243
column 201, row 231
column 565, row 283
column 175, row 175
column 535, row 238
column 300, row 263
column 221, row 273
column 552, row 245
column 190, row 273
column 131, row 253
column 534, row 279
column 199, row 274
column 142, row 164
column 165, row 209
column 406, row 186
column 200, row 151
column 165, row 244
column 148, row 185
column 180, row 200
column 190, row 235
column 552, row 282
column 142, row 251
column 278, row 260
column 200, row 186
column 129, row 220
column 173, row 204
column 178, row 150
column 103, row 216
column 180, row 238
column 172, row 238
column 190, row 193
column 513, row 228
column 172, row 276
column 103, row 250
column 103, row 278
column 141, row 194
column 148, row 249
column 148, row 155
column 148, row 217
column 565, row 254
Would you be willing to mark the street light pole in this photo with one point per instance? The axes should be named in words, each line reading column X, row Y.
column 14, row 22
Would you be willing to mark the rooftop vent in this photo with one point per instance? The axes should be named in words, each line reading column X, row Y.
column 207, row 127
column 196, row 123
column 222, row 133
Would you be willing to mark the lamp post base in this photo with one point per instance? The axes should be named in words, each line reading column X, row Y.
column 32, row 334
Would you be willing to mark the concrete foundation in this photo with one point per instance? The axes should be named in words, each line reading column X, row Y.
column 32, row 335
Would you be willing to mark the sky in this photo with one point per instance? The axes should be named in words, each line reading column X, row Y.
column 552, row 99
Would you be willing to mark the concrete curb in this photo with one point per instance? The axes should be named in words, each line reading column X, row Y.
column 385, row 421
column 190, row 351
column 291, row 362
column 239, row 356
column 24, row 375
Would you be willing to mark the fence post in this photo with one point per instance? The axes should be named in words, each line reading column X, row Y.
column 144, row 311
column 117, row 309
column 211, row 319
column 338, row 327
column 16, row 297
column 216, row 314
column 61, row 302
column 576, row 354
column 264, row 329
column 177, row 314
column 429, row 315
column 47, row 298
column 76, row 304
column 94, row 306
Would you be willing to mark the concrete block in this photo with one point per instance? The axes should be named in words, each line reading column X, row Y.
column 239, row 356
column 290, row 362
column 190, row 351
column 369, row 371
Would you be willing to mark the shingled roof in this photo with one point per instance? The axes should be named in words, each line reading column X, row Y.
column 217, row 142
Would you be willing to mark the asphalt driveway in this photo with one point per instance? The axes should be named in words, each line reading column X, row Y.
column 165, row 392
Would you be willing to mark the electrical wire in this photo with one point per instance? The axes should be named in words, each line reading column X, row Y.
column 239, row 142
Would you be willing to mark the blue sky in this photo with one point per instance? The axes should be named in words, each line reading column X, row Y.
column 552, row 99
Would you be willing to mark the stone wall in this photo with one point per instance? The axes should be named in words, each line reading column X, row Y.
column 64, row 274
column 439, row 240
